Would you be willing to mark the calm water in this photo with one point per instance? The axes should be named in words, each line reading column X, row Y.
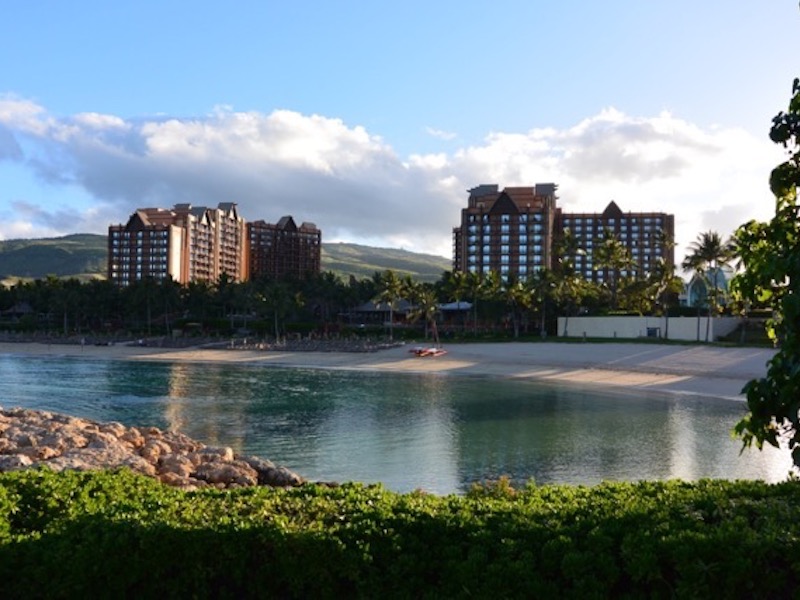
column 432, row 432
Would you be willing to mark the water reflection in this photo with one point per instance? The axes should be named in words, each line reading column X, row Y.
column 407, row 431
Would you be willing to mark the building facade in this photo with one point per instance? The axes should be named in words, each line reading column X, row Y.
column 508, row 231
column 283, row 249
column 185, row 243
column 645, row 235
column 516, row 233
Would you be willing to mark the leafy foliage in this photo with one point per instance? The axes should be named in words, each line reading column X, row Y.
column 770, row 253
column 122, row 535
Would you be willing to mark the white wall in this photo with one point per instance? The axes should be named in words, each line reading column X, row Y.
column 680, row 328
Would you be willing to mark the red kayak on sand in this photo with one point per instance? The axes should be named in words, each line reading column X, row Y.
column 422, row 352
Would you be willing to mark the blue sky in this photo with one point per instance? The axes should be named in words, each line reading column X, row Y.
column 372, row 119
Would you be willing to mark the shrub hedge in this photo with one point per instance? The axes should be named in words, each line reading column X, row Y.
column 116, row 534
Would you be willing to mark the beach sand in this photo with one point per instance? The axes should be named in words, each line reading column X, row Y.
column 675, row 369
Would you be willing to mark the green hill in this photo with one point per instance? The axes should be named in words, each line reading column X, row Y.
column 85, row 256
column 79, row 255
column 363, row 261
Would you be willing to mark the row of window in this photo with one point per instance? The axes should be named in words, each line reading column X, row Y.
column 506, row 218
column 147, row 233
column 521, row 249
column 634, row 229
column 658, row 221
column 504, row 259
column 521, row 272
column 505, row 229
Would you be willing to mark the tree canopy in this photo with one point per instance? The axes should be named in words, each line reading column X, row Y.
column 770, row 254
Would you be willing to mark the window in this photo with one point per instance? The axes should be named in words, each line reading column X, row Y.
column 505, row 218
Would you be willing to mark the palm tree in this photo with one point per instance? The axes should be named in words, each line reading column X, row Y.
column 278, row 298
column 666, row 285
column 474, row 285
column 708, row 254
column 426, row 306
column 518, row 297
column 568, row 286
column 390, row 288
column 612, row 255
column 541, row 285
column 455, row 285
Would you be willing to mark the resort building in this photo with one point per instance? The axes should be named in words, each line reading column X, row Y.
column 645, row 235
column 284, row 249
column 508, row 231
column 185, row 243
column 515, row 232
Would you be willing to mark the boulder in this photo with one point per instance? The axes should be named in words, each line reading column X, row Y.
column 29, row 438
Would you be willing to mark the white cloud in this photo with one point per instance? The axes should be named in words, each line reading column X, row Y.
column 440, row 134
column 352, row 184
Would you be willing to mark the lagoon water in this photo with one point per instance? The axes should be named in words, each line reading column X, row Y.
column 432, row 432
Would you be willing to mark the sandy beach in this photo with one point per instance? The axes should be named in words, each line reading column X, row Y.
column 697, row 370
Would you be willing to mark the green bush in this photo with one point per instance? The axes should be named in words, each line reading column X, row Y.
column 116, row 534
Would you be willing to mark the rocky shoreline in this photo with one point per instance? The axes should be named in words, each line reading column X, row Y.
column 32, row 438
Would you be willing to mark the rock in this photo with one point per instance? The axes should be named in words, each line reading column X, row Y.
column 30, row 438
column 210, row 453
column 133, row 437
column 176, row 464
column 14, row 462
column 228, row 473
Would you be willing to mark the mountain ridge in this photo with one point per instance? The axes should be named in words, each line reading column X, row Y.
column 85, row 256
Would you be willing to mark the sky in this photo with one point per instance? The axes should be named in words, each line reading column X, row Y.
column 374, row 119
